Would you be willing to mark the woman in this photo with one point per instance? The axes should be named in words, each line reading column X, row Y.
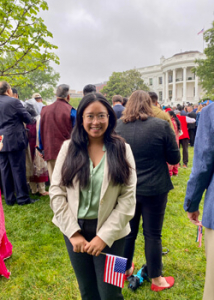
column 173, row 169
column 5, row 245
column 93, row 195
column 153, row 145
column 36, row 167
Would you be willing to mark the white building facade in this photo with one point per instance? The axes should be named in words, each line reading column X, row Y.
column 173, row 79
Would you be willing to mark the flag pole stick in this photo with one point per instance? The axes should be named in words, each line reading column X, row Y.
column 103, row 253
column 203, row 41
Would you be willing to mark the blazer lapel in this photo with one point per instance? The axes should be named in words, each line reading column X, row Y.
column 105, row 183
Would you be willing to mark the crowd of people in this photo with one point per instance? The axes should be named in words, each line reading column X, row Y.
column 108, row 166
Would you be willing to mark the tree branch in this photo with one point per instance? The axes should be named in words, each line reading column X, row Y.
column 25, row 72
column 17, row 26
column 25, row 53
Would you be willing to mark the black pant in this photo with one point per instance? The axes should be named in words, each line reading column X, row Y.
column 89, row 269
column 192, row 132
column 184, row 143
column 152, row 210
column 13, row 176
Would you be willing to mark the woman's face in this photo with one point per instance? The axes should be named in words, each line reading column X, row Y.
column 95, row 120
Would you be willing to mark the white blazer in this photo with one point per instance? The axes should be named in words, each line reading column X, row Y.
column 116, row 208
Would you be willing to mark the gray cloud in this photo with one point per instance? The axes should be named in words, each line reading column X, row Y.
column 96, row 38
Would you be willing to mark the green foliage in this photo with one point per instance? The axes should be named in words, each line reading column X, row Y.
column 205, row 68
column 24, row 45
column 75, row 102
column 124, row 84
column 41, row 81
column 40, row 266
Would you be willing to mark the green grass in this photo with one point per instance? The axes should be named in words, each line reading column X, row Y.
column 41, row 268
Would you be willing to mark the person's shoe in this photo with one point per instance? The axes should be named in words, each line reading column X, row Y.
column 30, row 201
column 184, row 166
column 126, row 276
column 175, row 174
column 170, row 280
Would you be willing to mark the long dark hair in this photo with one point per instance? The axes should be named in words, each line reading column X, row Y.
column 172, row 114
column 77, row 160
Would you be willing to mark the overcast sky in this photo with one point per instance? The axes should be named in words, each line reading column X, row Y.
column 98, row 37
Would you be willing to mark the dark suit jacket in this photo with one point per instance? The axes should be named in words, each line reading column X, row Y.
column 118, row 109
column 153, row 144
column 12, row 116
column 192, row 114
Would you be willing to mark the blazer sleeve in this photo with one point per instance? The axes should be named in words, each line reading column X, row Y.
column 124, row 210
column 23, row 113
column 172, row 151
column 63, row 216
column 203, row 161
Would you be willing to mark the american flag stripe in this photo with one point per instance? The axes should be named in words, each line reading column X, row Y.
column 110, row 275
column 112, row 269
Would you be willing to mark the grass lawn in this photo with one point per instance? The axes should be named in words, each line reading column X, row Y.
column 40, row 267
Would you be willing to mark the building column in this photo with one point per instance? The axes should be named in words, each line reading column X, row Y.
column 167, row 86
column 163, row 85
column 196, row 88
column 174, row 86
column 184, row 84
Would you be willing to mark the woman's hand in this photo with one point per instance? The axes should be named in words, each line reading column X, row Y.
column 193, row 216
column 95, row 246
column 78, row 242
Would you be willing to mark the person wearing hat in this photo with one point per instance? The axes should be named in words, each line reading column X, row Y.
column 39, row 103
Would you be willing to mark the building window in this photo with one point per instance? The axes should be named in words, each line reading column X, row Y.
column 161, row 96
column 160, row 80
column 170, row 78
column 150, row 81
column 170, row 94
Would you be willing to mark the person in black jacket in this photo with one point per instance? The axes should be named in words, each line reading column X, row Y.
column 12, row 150
column 153, row 144
column 192, row 126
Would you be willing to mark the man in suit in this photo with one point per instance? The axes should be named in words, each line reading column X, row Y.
column 57, row 121
column 118, row 107
column 201, row 179
column 191, row 127
column 12, row 153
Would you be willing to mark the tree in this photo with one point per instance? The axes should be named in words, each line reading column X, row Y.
column 24, row 45
column 205, row 68
column 41, row 81
column 124, row 84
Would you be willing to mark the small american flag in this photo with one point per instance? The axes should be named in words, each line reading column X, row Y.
column 115, row 267
column 199, row 235
column 202, row 30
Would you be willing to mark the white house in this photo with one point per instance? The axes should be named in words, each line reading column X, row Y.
column 173, row 79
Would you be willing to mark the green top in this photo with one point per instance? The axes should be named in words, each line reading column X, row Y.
column 90, row 196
